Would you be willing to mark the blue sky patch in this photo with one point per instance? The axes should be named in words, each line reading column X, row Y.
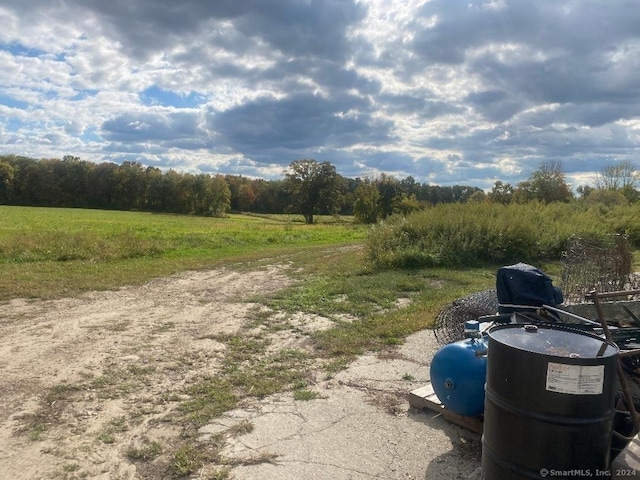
column 168, row 98
column 12, row 102
column 20, row 50
column 91, row 135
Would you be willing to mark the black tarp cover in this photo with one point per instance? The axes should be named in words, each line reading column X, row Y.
column 526, row 285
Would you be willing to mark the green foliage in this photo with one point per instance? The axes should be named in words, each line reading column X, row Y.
column 7, row 174
column 309, row 188
column 247, row 372
column 607, row 197
column 475, row 234
column 478, row 197
column 314, row 187
column 365, row 207
column 72, row 182
column 389, row 189
column 547, row 184
column 409, row 204
column 210, row 397
column 365, row 303
column 332, row 280
column 501, row 193
column 38, row 430
column 622, row 219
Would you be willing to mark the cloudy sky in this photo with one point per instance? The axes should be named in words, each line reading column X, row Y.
column 449, row 92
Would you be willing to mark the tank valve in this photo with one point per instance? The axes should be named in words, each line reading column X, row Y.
column 472, row 329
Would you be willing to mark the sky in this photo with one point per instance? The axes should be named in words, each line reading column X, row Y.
column 446, row 91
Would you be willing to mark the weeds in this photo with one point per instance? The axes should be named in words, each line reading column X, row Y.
column 220, row 474
column 115, row 426
column 187, row 459
column 71, row 467
column 256, row 459
column 37, row 430
column 476, row 234
column 305, row 395
column 242, row 428
column 146, row 451
column 210, row 397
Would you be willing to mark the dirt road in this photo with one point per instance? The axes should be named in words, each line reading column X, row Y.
column 91, row 387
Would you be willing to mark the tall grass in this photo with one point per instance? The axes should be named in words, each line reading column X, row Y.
column 475, row 234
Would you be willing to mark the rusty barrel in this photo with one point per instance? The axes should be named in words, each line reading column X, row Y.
column 549, row 403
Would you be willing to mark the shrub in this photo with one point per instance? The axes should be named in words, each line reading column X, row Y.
column 481, row 233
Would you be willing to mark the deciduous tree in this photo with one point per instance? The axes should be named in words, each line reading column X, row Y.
column 6, row 181
column 314, row 187
column 501, row 193
column 622, row 177
column 547, row 184
column 365, row 207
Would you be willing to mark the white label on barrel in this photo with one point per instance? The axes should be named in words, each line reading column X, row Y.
column 575, row 379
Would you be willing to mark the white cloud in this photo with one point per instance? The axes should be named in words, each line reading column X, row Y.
column 444, row 91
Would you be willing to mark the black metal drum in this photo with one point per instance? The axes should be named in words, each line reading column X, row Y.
column 549, row 403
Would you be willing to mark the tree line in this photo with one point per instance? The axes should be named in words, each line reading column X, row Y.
column 615, row 184
column 308, row 187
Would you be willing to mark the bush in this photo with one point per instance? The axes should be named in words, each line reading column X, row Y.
column 480, row 233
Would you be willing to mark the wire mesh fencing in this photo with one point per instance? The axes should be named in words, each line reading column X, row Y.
column 603, row 264
column 449, row 323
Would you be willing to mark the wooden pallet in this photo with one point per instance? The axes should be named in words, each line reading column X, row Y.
column 424, row 398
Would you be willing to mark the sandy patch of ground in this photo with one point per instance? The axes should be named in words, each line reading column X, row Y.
column 158, row 334
column 90, row 387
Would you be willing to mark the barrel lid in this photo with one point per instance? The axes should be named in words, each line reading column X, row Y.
column 553, row 341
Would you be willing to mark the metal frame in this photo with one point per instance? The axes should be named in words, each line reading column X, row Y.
column 596, row 297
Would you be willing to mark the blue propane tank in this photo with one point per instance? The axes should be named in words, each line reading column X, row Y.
column 458, row 373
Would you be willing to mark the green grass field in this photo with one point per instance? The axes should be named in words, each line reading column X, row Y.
column 49, row 252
